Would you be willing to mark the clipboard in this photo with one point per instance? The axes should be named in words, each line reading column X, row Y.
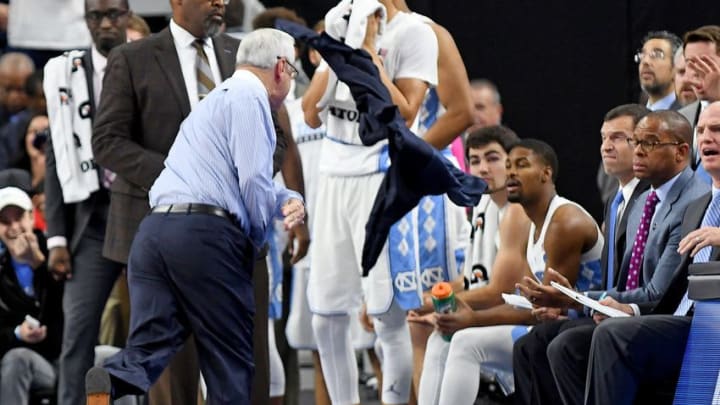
column 589, row 302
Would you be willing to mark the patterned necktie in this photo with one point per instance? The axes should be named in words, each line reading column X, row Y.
column 612, row 224
column 638, row 250
column 204, row 74
column 699, row 381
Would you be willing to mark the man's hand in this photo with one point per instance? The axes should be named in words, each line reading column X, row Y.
column 28, row 334
column 293, row 212
column 426, row 319
column 545, row 295
column 451, row 322
column 609, row 301
column 548, row 314
column 708, row 72
column 25, row 249
column 59, row 263
column 300, row 235
column 365, row 320
column 698, row 239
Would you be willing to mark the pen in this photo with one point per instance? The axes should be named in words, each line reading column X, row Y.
column 603, row 295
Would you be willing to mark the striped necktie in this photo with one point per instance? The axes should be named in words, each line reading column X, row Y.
column 205, row 82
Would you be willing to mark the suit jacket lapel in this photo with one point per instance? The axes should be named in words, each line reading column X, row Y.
column 672, row 197
column 692, row 220
column 225, row 56
column 169, row 62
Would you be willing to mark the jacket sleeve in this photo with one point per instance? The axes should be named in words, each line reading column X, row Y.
column 117, row 117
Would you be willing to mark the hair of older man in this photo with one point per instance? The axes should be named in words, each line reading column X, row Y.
column 478, row 84
column 262, row 48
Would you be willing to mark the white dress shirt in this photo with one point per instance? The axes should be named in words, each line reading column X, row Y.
column 186, row 54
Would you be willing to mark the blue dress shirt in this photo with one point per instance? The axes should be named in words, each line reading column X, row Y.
column 223, row 156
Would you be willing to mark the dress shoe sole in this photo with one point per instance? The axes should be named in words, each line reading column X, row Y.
column 97, row 387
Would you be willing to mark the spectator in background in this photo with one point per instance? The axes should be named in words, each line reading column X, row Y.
column 21, row 179
column 137, row 28
column 28, row 349
column 12, row 135
column 486, row 101
column 656, row 69
column 32, row 152
column 684, row 90
column 15, row 68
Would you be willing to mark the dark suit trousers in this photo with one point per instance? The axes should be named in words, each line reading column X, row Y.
column 84, row 298
column 534, row 383
column 261, row 354
column 189, row 274
column 568, row 355
column 628, row 351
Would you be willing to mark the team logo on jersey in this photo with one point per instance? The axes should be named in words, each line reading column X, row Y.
column 431, row 276
column 406, row 281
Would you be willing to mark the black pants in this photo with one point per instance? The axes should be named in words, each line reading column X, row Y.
column 534, row 382
column 189, row 274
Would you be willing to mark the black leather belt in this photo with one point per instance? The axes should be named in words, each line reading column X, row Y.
column 194, row 209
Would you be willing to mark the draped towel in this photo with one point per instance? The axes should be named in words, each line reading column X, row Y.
column 69, row 111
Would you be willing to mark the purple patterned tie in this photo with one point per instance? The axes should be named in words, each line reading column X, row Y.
column 641, row 236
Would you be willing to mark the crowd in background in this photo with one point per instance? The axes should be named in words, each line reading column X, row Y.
column 78, row 156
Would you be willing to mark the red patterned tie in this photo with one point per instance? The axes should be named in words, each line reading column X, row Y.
column 638, row 251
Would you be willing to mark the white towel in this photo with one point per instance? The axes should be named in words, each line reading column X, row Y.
column 69, row 112
column 484, row 245
column 347, row 22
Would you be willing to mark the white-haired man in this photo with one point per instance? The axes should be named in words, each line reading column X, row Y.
column 190, row 266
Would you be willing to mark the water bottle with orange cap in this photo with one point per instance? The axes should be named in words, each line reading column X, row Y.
column 443, row 299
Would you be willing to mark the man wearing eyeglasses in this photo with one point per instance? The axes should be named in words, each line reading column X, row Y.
column 656, row 69
column 660, row 144
column 77, row 206
column 150, row 86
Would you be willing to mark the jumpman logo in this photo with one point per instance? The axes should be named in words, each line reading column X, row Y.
column 392, row 388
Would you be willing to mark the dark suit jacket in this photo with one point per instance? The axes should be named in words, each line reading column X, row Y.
column 660, row 257
column 691, row 112
column 620, row 234
column 144, row 101
column 669, row 301
column 71, row 220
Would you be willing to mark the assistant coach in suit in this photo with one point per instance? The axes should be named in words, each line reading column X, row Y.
column 150, row 86
column 76, row 230
column 627, row 352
